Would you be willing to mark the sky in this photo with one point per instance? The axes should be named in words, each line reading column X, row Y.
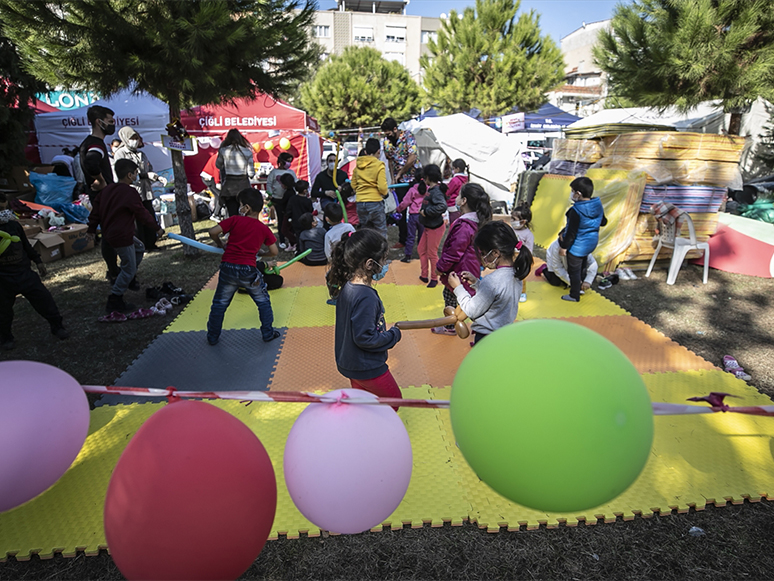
column 558, row 18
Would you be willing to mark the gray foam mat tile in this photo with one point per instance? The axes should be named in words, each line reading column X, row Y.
column 240, row 361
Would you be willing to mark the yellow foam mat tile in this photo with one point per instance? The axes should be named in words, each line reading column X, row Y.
column 310, row 309
column 545, row 302
column 68, row 517
column 241, row 314
column 411, row 303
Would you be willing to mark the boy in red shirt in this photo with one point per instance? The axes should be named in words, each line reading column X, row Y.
column 116, row 207
column 246, row 235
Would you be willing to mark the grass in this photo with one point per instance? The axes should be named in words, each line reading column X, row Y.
column 732, row 314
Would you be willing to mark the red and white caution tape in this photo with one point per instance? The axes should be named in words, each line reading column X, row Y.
column 659, row 409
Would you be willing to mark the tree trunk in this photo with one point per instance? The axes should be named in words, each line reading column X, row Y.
column 182, row 206
column 735, row 124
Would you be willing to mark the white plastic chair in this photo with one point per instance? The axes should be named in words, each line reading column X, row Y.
column 680, row 247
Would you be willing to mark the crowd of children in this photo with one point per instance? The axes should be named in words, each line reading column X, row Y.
column 355, row 257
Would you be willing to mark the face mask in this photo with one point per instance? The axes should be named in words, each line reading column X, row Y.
column 572, row 197
column 242, row 210
column 485, row 261
column 457, row 204
column 135, row 144
column 107, row 129
column 518, row 225
column 382, row 273
column 331, row 165
column 6, row 216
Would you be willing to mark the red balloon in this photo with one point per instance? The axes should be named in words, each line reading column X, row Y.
column 193, row 496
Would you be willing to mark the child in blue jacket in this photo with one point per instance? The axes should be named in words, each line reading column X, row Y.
column 581, row 234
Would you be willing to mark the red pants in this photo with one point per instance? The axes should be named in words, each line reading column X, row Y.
column 428, row 250
column 382, row 386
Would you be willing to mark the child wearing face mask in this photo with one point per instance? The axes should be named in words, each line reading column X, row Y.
column 458, row 253
column 496, row 302
column 276, row 189
column 362, row 337
column 461, row 176
column 522, row 224
column 412, row 202
column 323, row 187
column 246, row 235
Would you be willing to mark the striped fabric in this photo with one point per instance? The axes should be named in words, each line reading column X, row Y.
column 687, row 198
column 642, row 247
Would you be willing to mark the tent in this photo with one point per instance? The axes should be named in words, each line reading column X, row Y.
column 260, row 121
column 548, row 118
column 147, row 114
column 705, row 118
column 495, row 161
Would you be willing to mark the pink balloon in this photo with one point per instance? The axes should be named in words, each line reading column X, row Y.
column 347, row 467
column 44, row 420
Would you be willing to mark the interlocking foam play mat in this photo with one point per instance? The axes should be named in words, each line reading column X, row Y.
column 695, row 460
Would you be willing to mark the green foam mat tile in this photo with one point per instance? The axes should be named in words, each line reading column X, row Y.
column 411, row 303
column 241, row 314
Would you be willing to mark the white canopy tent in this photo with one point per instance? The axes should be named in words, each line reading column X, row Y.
column 495, row 161
column 146, row 114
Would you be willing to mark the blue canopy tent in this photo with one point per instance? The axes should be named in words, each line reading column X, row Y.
column 548, row 118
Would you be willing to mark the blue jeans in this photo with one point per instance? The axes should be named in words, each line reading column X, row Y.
column 231, row 278
column 371, row 215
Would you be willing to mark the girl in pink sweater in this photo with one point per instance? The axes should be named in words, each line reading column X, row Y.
column 461, row 176
column 413, row 201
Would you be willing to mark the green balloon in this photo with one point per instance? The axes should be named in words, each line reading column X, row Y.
column 552, row 416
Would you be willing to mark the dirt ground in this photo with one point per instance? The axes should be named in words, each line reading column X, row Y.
column 732, row 314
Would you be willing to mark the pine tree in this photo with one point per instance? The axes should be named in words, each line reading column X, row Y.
column 184, row 52
column 359, row 89
column 492, row 60
column 17, row 91
column 683, row 52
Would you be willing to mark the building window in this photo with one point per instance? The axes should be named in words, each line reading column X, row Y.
column 428, row 35
column 364, row 34
column 321, row 31
column 395, row 34
column 398, row 57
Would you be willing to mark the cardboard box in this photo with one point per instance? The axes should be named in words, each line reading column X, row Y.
column 43, row 169
column 75, row 239
column 39, row 222
column 31, row 230
column 49, row 245
column 18, row 179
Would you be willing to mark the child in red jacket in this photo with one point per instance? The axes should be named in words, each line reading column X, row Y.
column 459, row 253
column 115, row 208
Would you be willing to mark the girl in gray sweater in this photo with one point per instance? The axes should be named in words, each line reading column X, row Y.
column 496, row 302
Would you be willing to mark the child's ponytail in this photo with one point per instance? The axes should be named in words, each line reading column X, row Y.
column 478, row 201
column 350, row 254
column 501, row 237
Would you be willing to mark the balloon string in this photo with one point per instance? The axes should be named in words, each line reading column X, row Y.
column 247, row 397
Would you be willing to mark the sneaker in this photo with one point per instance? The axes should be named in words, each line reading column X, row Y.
column 115, row 303
column 134, row 285
column 274, row 336
column 630, row 274
column 569, row 298
column 443, row 331
column 423, row 279
column 170, row 289
column 331, row 302
column 397, row 245
column 60, row 333
column 523, row 298
column 622, row 274
column 282, row 246
column 432, row 284
column 732, row 366
column 604, row 284
column 406, row 259
column 539, row 270
column 8, row 345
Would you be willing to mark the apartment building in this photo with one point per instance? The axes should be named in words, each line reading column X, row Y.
column 383, row 25
column 585, row 86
